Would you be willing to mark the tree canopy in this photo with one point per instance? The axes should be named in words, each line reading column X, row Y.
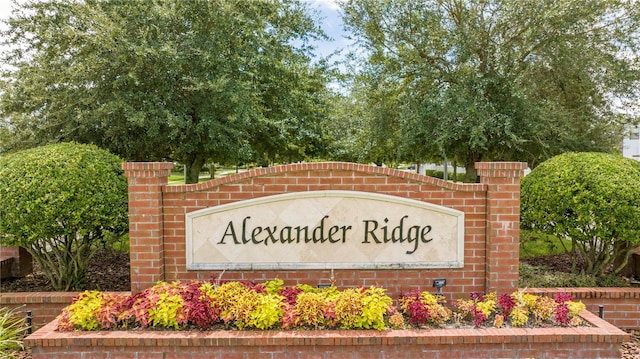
column 190, row 81
column 477, row 80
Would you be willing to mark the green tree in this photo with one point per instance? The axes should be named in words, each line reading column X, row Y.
column 344, row 128
column 59, row 201
column 383, row 132
column 592, row 199
column 481, row 80
column 190, row 81
column 351, row 130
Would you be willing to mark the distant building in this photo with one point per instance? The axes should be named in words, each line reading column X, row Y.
column 631, row 143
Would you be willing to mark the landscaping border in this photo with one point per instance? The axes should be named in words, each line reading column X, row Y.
column 602, row 340
column 491, row 208
column 620, row 305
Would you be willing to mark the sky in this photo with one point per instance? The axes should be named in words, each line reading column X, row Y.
column 332, row 24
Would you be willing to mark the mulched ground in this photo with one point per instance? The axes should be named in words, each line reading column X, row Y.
column 558, row 262
column 631, row 350
column 109, row 271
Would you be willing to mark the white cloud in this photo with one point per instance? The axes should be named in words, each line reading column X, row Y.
column 330, row 4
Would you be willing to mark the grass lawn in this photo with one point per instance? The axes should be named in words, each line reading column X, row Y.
column 178, row 177
column 536, row 244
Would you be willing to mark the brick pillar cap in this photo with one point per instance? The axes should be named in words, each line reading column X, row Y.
column 147, row 166
column 501, row 165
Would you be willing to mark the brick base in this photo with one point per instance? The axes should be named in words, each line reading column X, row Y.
column 600, row 341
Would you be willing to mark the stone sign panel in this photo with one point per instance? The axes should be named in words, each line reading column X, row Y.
column 325, row 230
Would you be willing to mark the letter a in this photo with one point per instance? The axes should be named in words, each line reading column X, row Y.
column 230, row 231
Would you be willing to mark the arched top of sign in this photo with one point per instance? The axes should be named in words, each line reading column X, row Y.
column 313, row 169
column 323, row 230
column 300, row 196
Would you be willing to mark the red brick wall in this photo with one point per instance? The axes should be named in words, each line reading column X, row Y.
column 44, row 307
column 503, row 224
column 157, row 221
column 146, row 181
column 15, row 262
column 8, row 252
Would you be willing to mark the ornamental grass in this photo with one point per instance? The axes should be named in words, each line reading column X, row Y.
column 12, row 331
column 211, row 305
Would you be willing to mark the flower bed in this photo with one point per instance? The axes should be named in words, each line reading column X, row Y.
column 205, row 305
column 599, row 340
column 225, row 308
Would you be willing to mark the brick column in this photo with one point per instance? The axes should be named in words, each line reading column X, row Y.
column 15, row 262
column 8, row 257
column 503, row 223
column 146, row 243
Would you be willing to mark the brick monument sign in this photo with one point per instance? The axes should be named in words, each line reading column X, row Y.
column 320, row 223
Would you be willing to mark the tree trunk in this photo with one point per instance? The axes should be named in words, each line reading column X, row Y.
column 455, row 171
column 64, row 260
column 471, row 175
column 194, row 164
column 623, row 263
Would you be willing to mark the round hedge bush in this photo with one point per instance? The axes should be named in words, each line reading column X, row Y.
column 58, row 201
column 592, row 199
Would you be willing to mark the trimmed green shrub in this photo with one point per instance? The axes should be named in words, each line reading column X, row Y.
column 59, row 202
column 591, row 199
column 533, row 244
